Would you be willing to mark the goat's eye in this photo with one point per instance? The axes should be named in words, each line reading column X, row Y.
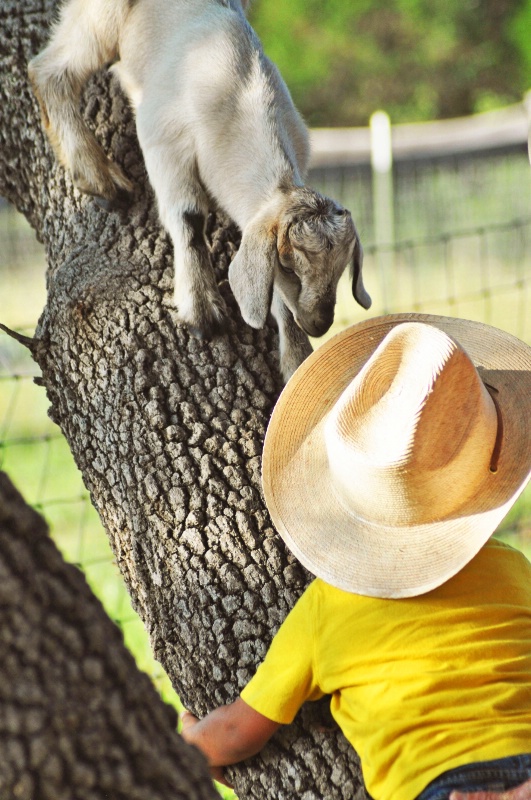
column 287, row 270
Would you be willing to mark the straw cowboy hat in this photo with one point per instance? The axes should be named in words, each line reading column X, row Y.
column 396, row 449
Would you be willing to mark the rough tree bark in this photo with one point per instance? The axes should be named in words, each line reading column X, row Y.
column 77, row 718
column 166, row 429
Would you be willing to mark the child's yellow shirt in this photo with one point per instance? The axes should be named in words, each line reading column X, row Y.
column 419, row 685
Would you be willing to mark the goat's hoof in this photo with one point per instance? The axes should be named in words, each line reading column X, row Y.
column 200, row 333
column 208, row 330
column 205, row 316
column 121, row 201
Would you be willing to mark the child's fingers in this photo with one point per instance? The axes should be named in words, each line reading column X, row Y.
column 187, row 719
column 218, row 774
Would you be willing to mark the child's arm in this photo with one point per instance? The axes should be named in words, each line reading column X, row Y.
column 228, row 734
column 282, row 683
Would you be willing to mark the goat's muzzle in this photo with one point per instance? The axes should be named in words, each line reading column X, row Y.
column 316, row 324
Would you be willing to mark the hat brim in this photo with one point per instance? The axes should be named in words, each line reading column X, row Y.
column 360, row 555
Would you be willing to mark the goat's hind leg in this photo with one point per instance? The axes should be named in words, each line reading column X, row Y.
column 75, row 51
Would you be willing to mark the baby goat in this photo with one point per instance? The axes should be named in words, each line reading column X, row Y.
column 217, row 128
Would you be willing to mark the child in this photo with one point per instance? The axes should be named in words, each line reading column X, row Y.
column 392, row 455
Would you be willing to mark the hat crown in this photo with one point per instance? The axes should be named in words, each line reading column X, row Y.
column 412, row 435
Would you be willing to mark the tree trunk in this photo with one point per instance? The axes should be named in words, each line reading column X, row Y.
column 166, row 429
column 77, row 718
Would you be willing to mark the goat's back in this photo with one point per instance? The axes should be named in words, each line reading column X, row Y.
column 196, row 70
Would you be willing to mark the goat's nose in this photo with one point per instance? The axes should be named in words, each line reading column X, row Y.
column 318, row 323
column 321, row 327
column 325, row 316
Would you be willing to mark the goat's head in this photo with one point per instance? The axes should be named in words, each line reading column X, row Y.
column 302, row 246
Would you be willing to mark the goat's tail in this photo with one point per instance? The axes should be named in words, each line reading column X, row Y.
column 84, row 39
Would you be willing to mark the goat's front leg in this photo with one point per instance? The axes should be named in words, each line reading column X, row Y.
column 294, row 344
column 196, row 294
column 183, row 209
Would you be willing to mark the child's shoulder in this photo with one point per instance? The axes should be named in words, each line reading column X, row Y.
column 497, row 572
column 498, row 541
column 497, row 548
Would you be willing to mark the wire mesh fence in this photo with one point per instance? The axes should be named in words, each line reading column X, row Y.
column 34, row 452
column 456, row 250
column 435, row 196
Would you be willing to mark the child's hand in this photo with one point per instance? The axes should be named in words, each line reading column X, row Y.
column 188, row 720
column 522, row 792
column 228, row 735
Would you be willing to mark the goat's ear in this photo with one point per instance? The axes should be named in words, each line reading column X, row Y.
column 358, row 289
column 252, row 272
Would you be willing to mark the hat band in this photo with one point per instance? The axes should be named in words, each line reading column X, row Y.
column 496, row 452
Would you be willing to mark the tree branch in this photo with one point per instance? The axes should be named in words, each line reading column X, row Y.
column 77, row 718
column 25, row 341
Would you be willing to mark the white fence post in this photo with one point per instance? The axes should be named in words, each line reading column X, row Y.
column 383, row 200
column 527, row 106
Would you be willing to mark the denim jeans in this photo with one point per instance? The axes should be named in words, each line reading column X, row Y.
column 494, row 776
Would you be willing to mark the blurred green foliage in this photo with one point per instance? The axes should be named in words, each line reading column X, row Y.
column 417, row 59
